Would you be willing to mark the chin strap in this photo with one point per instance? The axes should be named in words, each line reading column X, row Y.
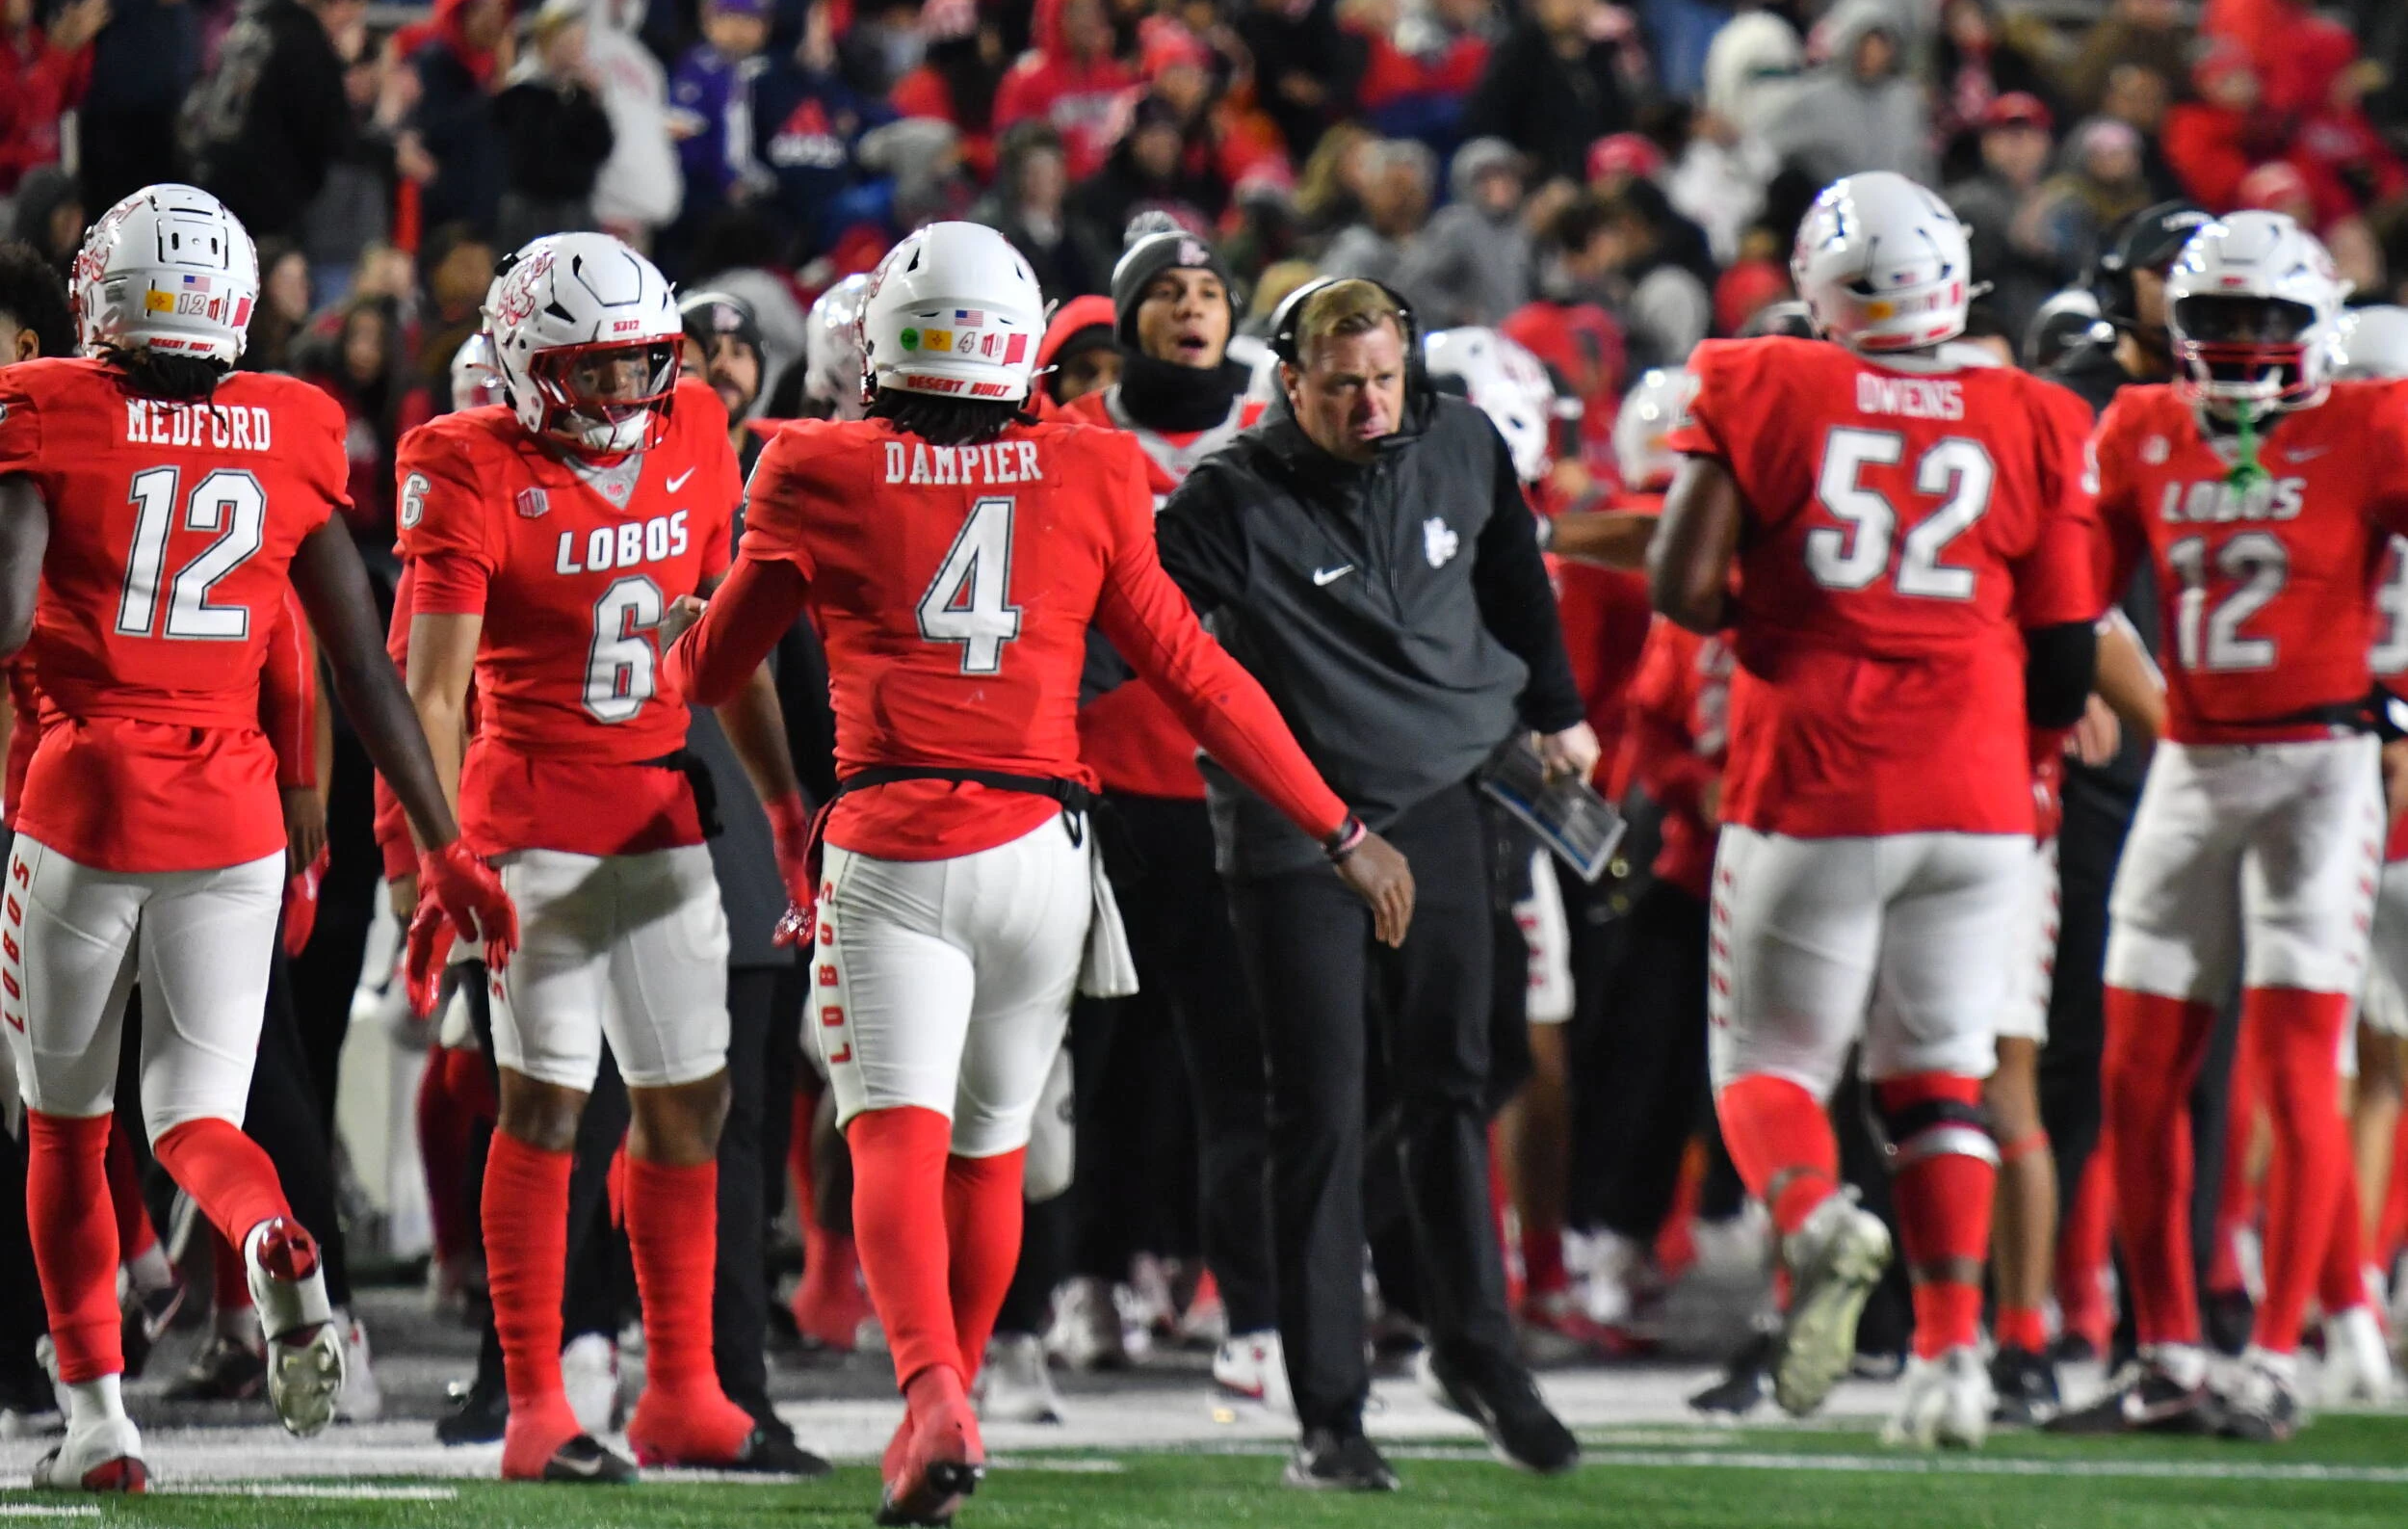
column 2247, row 471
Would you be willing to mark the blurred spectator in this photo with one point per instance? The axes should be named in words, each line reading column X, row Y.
column 739, row 255
column 710, row 108
column 1973, row 63
column 43, row 69
column 1080, row 354
column 452, row 138
column 1471, row 264
column 812, row 121
column 1329, row 194
column 922, row 157
column 278, row 322
column 48, row 214
column 1420, row 69
column 2291, row 48
column 457, row 262
column 723, row 348
column 142, row 65
column 354, row 209
column 881, row 45
column 2099, row 184
column 640, row 188
column 360, row 364
column 2212, row 140
column 2139, row 96
column 2149, row 33
column 1069, row 78
column 2348, row 167
column 1306, row 70
column 1998, row 199
column 1725, row 166
column 1611, row 251
column 1396, row 204
column 1027, row 207
column 958, row 76
column 555, row 134
column 1861, row 111
column 1552, row 88
column 264, row 124
column 1264, row 230
column 1149, row 170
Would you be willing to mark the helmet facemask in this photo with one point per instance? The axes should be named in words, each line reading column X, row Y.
column 2265, row 351
column 607, row 399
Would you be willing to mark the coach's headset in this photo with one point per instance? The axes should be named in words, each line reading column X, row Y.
column 1286, row 318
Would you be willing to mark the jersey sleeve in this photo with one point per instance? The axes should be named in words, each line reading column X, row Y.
column 443, row 520
column 1152, row 625
column 723, row 479
column 2122, row 542
column 2058, row 580
column 784, row 483
column 20, row 426
column 2387, row 468
column 324, row 462
column 1708, row 424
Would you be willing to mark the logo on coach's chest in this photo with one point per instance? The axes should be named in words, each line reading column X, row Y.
column 622, row 546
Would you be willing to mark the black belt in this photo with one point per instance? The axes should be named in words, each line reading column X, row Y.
column 706, row 790
column 2378, row 712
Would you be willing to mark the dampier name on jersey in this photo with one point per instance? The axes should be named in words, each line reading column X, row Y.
column 989, row 466
column 220, row 427
column 656, row 540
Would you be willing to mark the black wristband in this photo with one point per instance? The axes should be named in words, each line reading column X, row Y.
column 1346, row 840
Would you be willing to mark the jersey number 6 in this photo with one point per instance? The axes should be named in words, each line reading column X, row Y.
column 230, row 502
column 969, row 601
column 1852, row 559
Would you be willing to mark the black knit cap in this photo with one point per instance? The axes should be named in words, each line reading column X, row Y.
column 708, row 313
column 1157, row 243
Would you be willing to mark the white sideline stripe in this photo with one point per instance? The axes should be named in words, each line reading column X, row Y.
column 1975, row 1466
column 37, row 1510
column 1061, row 1465
column 303, row 1490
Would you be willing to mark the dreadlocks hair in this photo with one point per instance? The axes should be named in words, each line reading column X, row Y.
column 948, row 421
column 32, row 294
column 177, row 379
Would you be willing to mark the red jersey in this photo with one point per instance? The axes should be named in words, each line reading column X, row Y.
column 952, row 588
column 172, row 528
column 2390, row 657
column 1904, row 526
column 1680, row 709
column 575, row 737
column 1606, row 617
column 1129, row 734
column 2266, row 595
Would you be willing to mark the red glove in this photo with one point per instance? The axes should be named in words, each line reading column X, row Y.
column 790, row 828
column 301, row 906
column 458, row 894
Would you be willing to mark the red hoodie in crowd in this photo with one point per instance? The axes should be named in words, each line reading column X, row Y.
column 1077, row 94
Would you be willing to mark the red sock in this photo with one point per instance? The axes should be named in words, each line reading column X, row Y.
column 443, row 1137
column 2152, row 1050
column 2236, row 1196
column 135, row 1236
column 2025, row 1327
column 1943, row 1194
column 229, row 1280
column 526, row 1248
column 898, row 1161
column 66, row 1173
column 1542, row 1262
column 2297, row 1036
column 226, row 1172
column 2082, row 1252
column 982, row 1205
column 1777, row 1131
column 2342, row 1278
column 672, row 1233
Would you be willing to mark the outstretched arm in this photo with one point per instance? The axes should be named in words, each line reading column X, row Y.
column 24, row 536
column 1688, row 563
column 714, row 652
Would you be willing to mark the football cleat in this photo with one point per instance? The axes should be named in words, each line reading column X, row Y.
column 226, row 1370
column 2357, row 1359
column 590, row 1375
column 773, row 1452
column 584, row 1462
column 1744, row 1383
column 1253, row 1365
column 944, row 1460
column 2145, row 1398
column 479, row 1413
column 2263, row 1405
column 1835, row 1260
column 1015, row 1386
column 362, row 1399
column 2026, row 1383
column 144, row 1316
column 1087, row 1333
column 101, row 1456
column 1498, row 1394
column 1327, row 1460
column 305, row 1358
column 1944, row 1402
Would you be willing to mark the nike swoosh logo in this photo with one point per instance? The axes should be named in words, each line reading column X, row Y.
column 679, row 481
column 584, row 1466
column 2306, row 453
column 1326, row 577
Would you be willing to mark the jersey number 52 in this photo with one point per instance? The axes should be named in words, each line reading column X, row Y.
column 1853, row 557
column 969, row 601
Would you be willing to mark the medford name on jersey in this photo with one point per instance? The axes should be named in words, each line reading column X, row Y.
column 2215, row 501
column 985, row 466
column 220, row 427
column 656, row 540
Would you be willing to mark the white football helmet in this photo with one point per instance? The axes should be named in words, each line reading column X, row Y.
column 831, row 348
column 1507, row 384
column 2254, row 307
column 2374, row 343
column 953, row 310
column 567, row 300
column 476, row 380
column 1649, row 410
column 170, row 269
column 1883, row 264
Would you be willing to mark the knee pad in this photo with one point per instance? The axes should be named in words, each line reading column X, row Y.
column 1930, row 1126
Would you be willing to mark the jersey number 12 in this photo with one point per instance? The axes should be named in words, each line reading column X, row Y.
column 230, row 502
column 969, row 601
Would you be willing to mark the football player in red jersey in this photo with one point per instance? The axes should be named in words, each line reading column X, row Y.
column 155, row 506
column 1912, row 538
column 545, row 539
column 953, row 553
column 2261, row 493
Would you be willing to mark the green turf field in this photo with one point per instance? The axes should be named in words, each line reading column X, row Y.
column 2347, row 1470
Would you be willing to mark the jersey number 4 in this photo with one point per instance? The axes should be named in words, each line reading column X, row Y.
column 230, row 502
column 969, row 601
column 1853, row 557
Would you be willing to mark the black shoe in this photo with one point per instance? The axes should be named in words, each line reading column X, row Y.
column 2143, row 1398
column 773, row 1452
column 2071, row 1348
column 1745, row 1382
column 227, row 1370
column 478, row 1415
column 1499, row 1395
column 584, row 1462
column 1328, row 1460
column 2225, row 1319
column 2026, row 1383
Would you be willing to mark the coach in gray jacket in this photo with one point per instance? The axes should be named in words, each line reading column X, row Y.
column 1366, row 552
